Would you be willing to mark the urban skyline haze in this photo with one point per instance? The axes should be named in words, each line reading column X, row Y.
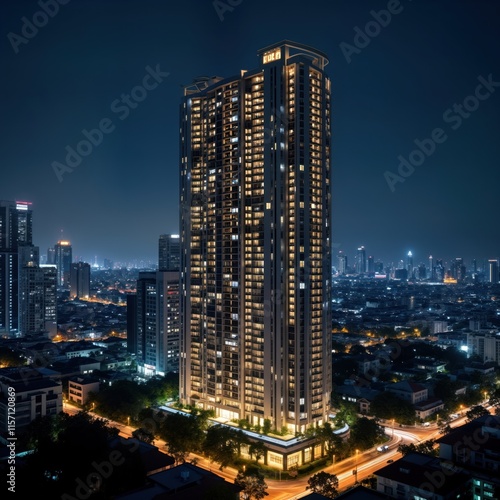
column 90, row 95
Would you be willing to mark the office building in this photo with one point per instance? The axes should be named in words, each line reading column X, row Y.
column 35, row 397
column 256, row 243
column 169, row 253
column 493, row 271
column 155, row 322
column 458, row 269
column 409, row 264
column 51, row 255
column 132, row 342
column 79, row 287
column 485, row 345
column 63, row 259
column 342, row 263
column 15, row 232
column 361, row 260
column 38, row 300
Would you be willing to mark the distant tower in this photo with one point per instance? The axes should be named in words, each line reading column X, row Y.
column 51, row 255
column 371, row 264
column 458, row 269
column 63, row 260
column 409, row 264
column 169, row 252
column 38, row 300
column 156, row 326
column 79, row 281
column 342, row 263
column 361, row 260
column 432, row 271
column 493, row 274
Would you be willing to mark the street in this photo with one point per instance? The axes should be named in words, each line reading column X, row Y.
column 365, row 464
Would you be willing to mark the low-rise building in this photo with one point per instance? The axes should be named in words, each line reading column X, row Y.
column 79, row 389
column 475, row 447
column 421, row 476
column 33, row 398
column 409, row 391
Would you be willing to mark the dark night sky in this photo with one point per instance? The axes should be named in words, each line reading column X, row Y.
column 396, row 89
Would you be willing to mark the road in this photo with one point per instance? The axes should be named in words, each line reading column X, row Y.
column 366, row 463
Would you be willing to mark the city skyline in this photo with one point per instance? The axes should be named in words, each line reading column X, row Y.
column 430, row 100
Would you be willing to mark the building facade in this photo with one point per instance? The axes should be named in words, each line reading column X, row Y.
column 63, row 255
column 256, row 239
column 79, row 287
column 156, row 322
column 15, row 233
column 169, row 252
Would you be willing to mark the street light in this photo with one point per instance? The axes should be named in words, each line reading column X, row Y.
column 392, row 427
column 356, row 469
column 128, row 421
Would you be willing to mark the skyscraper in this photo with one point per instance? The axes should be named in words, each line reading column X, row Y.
column 361, row 260
column 342, row 263
column 15, row 232
column 169, row 253
column 493, row 271
column 79, row 287
column 156, row 325
column 409, row 264
column 63, row 259
column 38, row 300
column 255, row 241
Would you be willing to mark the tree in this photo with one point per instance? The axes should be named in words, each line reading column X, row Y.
column 476, row 412
column 221, row 444
column 257, row 449
column 219, row 491
column 266, row 428
column 369, row 482
column 365, row 433
column 346, row 414
column 426, row 447
column 48, row 473
column 144, row 435
column 9, row 357
column 388, row 406
column 357, row 349
column 253, row 484
column 183, row 433
column 331, row 441
column 323, row 483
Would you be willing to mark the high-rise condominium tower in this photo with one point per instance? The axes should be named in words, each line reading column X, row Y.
column 169, row 252
column 255, row 241
column 63, row 259
column 79, row 282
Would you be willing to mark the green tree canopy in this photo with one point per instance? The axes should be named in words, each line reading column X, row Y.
column 253, row 484
column 388, row 406
column 476, row 412
column 324, row 483
column 222, row 444
column 365, row 433
column 183, row 434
